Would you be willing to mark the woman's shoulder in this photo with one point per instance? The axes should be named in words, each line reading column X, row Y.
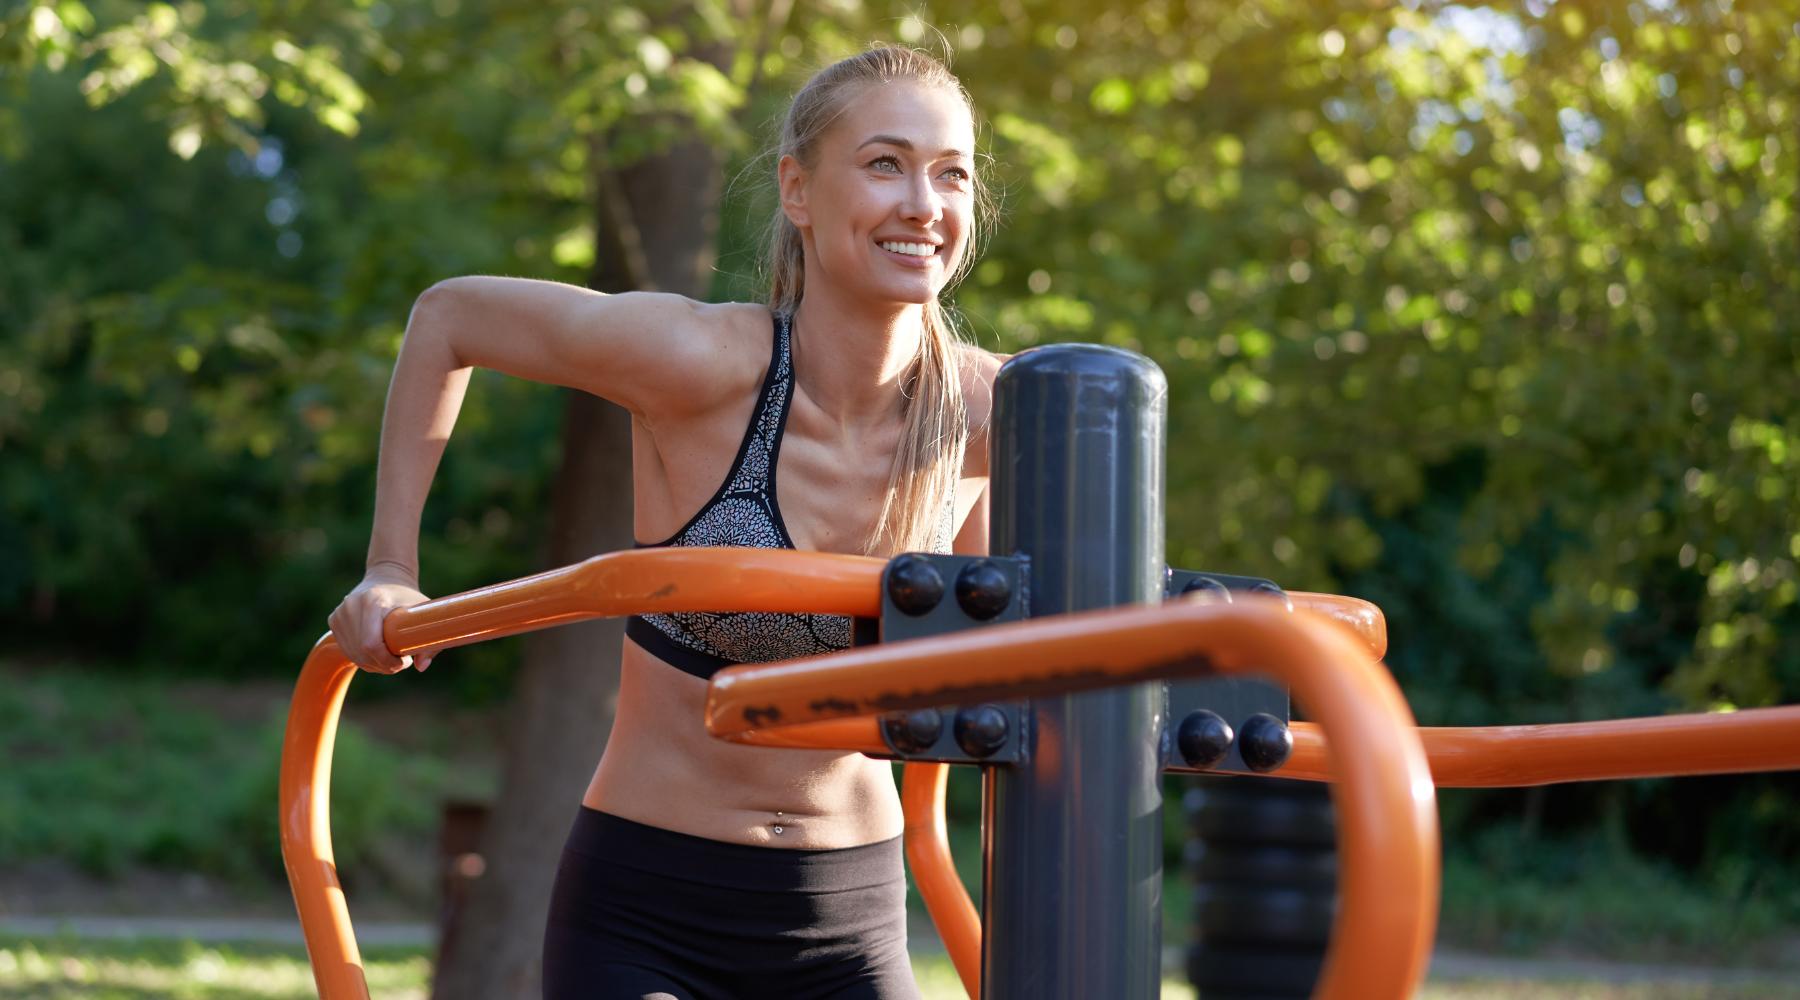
column 726, row 349
column 979, row 366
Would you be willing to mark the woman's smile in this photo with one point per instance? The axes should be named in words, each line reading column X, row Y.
column 915, row 255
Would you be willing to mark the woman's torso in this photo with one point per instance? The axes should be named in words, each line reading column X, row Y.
column 661, row 768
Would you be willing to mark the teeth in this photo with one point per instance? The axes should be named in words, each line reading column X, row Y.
column 913, row 249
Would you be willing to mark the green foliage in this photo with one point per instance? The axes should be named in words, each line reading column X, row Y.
column 1485, row 313
column 1368, row 243
column 109, row 772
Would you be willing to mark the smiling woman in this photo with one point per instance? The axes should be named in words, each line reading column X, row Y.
column 844, row 415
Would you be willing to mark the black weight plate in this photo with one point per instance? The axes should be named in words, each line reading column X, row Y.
column 1272, row 821
column 1274, row 917
column 1255, row 864
column 1287, row 972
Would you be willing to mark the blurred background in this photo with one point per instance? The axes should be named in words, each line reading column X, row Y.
column 1484, row 313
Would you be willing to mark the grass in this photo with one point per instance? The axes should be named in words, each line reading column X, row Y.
column 1506, row 893
column 180, row 970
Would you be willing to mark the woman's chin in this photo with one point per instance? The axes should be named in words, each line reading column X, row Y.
column 915, row 293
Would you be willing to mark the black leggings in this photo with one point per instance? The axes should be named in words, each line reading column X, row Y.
column 643, row 913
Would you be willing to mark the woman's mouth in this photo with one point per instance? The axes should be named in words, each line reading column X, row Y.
column 912, row 254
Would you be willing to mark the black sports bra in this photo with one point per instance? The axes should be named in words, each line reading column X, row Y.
column 744, row 513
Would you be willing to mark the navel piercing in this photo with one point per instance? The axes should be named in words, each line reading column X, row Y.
column 778, row 822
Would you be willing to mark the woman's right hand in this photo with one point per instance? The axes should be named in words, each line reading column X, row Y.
column 357, row 622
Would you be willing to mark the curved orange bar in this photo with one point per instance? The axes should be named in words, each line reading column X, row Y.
column 642, row 582
column 616, row 583
column 305, row 794
column 1754, row 739
column 639, row 581
column 922, row 788
column 1386, row 804
column 1359, row 616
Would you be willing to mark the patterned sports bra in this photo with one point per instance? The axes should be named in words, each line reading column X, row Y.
column 744, row 513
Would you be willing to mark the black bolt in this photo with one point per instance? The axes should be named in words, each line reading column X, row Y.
column 1264, row 742
column 982, row 590
column 1265, row 587
column 913, row 732
column 1204, row 738
column 1210, row 590
column 980, row 731
column 914, row 584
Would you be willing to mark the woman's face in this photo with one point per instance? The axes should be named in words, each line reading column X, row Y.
column 894, row 176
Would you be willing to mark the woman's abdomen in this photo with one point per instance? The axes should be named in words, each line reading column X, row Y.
column 662, row 769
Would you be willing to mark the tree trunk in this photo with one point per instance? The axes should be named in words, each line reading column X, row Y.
column 657, row 220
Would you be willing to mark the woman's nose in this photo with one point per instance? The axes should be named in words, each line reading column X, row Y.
column 922, row 202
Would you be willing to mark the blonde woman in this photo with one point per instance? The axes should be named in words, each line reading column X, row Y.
column 842, row 416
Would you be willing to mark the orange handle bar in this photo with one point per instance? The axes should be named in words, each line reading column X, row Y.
column 642, row 582
column 1385, row 801
column 617, row 583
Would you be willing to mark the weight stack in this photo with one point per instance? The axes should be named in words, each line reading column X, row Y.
column 1262, row 859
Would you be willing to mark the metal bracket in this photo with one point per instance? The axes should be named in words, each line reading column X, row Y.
column 925, row 594
column 1233, row 699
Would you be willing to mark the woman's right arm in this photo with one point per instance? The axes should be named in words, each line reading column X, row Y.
column 649, row 352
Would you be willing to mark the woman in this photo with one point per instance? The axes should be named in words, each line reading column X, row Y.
column 843, row 417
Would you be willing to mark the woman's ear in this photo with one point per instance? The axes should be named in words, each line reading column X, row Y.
column 791, row 178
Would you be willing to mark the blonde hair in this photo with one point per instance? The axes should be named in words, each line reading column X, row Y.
column 929, row 460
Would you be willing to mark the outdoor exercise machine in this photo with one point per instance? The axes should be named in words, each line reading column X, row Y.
column 1075, row 668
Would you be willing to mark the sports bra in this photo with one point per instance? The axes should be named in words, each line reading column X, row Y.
column 743, row 513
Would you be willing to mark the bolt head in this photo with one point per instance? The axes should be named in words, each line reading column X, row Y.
column 1206, row 590
column 1204, row 738
column 982, row 590
column 914, row 584
column 980, row 731
column 1264, row 742
column 1268, row 589
column 915, row 731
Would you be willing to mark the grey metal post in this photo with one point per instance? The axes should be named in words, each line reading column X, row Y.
column 1072, row 880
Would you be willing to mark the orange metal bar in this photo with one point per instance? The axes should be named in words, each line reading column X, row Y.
column 618, row 583
column 1385, row 800
column 928, row 852
column 858, row 735
column 305, row 794
column 641, row 582
column 1359, row 616
column 1755, row 739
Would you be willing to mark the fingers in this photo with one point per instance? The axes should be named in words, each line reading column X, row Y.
column 359, row 636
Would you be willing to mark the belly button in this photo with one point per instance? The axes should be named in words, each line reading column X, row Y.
column 777, row 823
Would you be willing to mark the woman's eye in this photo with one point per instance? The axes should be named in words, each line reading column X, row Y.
column 895, row 163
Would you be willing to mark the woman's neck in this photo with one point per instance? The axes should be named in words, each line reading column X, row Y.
column 851, row 357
